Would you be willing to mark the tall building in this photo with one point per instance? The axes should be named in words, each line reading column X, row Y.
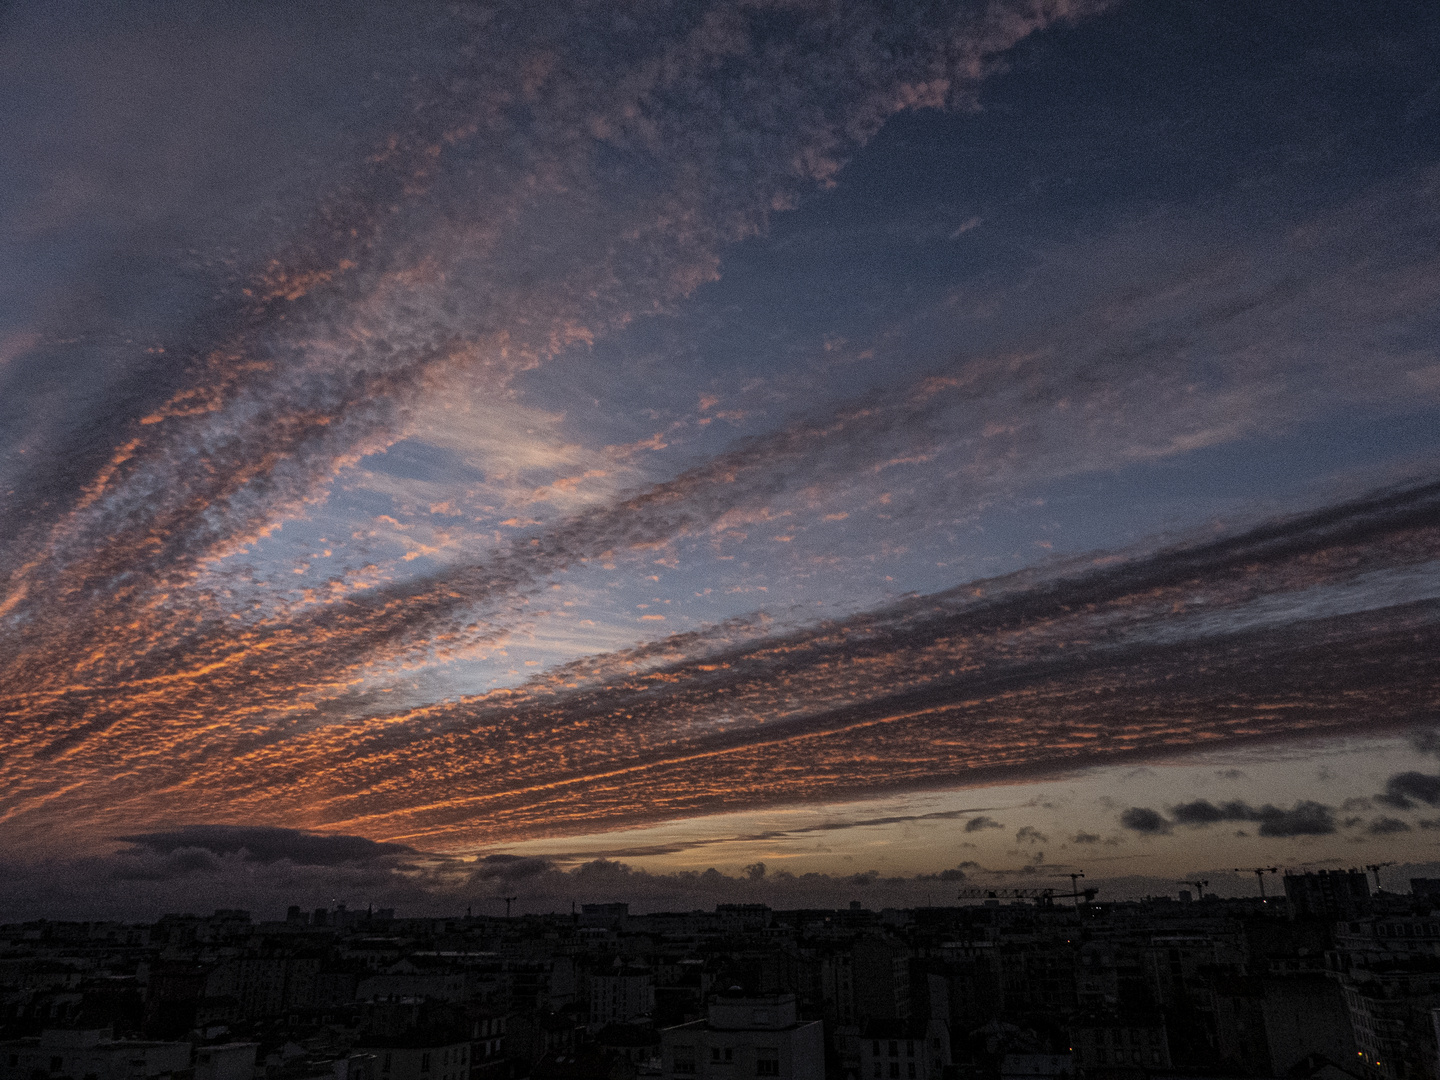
column 744, row 1036
column 1332, row 894
column 621, row 995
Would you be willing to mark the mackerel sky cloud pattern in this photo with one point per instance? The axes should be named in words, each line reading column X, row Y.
column 460, row 480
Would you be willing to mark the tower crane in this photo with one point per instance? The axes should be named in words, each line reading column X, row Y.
column 1375, row 869
column 1259, row 872
column 1199, row 888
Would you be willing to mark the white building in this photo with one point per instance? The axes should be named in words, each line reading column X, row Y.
column 913, row 1049
column 744, row 1037
column 621, row 995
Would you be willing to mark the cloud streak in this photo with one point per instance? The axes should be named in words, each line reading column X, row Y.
column 1098, row 659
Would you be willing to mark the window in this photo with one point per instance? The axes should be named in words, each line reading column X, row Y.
column 729, row 1054
column 56, row 1064
column 714, row 1053
column 879, row 1071
column 875, row 1048
column 685, row 1060
column 894, row 1049
column 14, row 1060
column 767, row 1061
column 911, row 1070
column 424, row 1062
column 894, row 1070
column 910, row 1048
column 385, row 1064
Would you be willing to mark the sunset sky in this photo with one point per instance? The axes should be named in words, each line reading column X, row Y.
column 695, row 450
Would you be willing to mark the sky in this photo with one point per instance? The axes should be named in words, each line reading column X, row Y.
column 782, row 450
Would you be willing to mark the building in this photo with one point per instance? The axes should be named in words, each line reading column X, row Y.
column 914, row 1049
column 488, row 1053
column 226, row 1061
column 1273, row 1023
column 420, row 1055
column 1123, row 1038
column 621, row 995
column 92, row 1055
column 744, row 1036
column 881, row 973
column 1329, row 894
column 1391, row 1007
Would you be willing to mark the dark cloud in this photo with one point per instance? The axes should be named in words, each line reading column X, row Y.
column 1199, row 812
column 1305, row 818
column 1405, row 789
column 975, row 824
column 1426, row 741
column 1028, row 834
column 1085, row 838
column 267, row 845
column 141, row 883
column 509, row 868
column 1144, row 820
column 1384, row 826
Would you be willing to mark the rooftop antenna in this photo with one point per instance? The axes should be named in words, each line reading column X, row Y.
column 508, row 901
column 1375, row 868
column 1259, row 872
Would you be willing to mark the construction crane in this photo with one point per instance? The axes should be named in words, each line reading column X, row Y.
column 1076, row 893
column 1259, row 872
column 1375, row 869
column 1199, row 888
column 508, row 901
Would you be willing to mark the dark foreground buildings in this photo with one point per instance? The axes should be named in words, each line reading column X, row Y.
column 1330, row 981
